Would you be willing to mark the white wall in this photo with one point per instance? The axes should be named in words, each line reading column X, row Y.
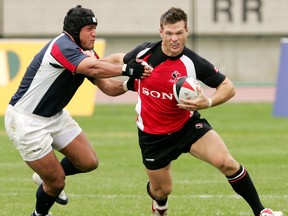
column 247, row 51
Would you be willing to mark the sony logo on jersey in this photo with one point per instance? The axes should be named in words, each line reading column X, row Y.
column 156, row 94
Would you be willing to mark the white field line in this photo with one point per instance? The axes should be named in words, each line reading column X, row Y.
column 134, row 196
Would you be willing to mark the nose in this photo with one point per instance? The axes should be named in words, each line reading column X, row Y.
column 93, row 33
column 174, row 37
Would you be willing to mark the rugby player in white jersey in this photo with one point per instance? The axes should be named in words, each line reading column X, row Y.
column 36, row 120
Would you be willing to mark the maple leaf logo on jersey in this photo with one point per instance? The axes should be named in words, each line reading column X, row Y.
column 175, row 75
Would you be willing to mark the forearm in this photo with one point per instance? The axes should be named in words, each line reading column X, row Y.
column 116, row 58
column 223, row 93
column 96, row 68
column 99, row 69
column 111, row 86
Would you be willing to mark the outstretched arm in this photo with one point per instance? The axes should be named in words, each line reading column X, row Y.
column 110, row 86
column 96, row 68
column 116, row 58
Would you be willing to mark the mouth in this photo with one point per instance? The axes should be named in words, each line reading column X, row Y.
column 174, row 45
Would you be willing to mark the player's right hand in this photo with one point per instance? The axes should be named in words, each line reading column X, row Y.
column 136, row 68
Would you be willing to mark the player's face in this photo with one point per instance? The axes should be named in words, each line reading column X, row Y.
column 173, row 38
column 88, row 36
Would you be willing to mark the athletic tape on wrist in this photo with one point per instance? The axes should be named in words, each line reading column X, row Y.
column 209, row 102
column 125, row 88
column 124, row 66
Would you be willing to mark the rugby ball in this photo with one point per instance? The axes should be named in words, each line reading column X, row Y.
column 186, row 88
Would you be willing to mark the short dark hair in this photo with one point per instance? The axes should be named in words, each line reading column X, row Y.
column 172, row 16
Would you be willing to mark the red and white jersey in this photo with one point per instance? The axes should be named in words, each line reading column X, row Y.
column 157, row 108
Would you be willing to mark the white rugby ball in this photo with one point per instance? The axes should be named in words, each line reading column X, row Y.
column 186, row 88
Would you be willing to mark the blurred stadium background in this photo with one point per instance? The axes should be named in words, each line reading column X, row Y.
column 241, row 37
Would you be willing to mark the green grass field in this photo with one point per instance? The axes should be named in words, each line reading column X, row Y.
column 255, row 138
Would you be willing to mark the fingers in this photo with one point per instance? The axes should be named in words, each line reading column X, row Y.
column 147, row 69
column 145, row 74
column 200, row 91
column 195, row 104
column 190, row 105
column 147, row 66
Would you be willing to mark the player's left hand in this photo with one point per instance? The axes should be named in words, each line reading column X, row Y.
column 201, row 102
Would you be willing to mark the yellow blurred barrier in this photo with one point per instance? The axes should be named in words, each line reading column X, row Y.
column 15, row 56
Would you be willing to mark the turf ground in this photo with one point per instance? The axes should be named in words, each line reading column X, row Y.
column 255, row 138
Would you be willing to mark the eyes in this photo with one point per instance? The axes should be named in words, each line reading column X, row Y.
column 170, row 34
column 89, row 28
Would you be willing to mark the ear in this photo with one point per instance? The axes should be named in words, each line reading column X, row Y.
column 161, row 32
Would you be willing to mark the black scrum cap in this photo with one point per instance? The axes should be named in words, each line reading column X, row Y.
column 76, row 18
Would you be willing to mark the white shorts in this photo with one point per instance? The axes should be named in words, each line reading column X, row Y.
column 35, row 136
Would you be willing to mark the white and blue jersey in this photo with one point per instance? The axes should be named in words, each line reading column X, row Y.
column 50, row 80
